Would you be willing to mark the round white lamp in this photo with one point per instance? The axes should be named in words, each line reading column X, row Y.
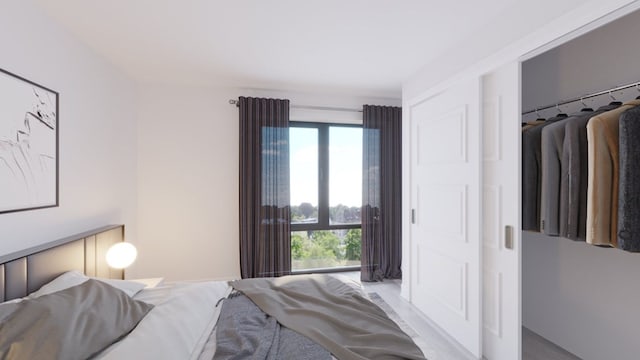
column 121, row 255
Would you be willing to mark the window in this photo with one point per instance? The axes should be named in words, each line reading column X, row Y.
column 326, row 195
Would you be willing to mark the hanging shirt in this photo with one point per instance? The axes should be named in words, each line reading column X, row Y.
column 574, row 176
column 552, row 143
column 602, row 188
column 629, row 196
column 531, row 164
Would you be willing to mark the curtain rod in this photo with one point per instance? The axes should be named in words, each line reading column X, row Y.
column 309, row 107
column 582, row 98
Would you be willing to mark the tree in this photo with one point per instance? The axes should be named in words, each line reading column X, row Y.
column 296, row 215
column 337, row 213
column 327, row 240
column 306, row 209
column 297, row 247
column 353, row 244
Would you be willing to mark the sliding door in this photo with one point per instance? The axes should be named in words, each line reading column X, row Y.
column 501, row 213
column 445, row 200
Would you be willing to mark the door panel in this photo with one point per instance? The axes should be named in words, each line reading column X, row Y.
column 501, row 208
column 445, row 188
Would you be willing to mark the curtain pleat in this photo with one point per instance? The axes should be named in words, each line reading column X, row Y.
column 382, row 193
column 265, row 214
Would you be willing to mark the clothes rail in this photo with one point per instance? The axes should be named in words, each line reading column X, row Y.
column 309, row 107
column 584, row 97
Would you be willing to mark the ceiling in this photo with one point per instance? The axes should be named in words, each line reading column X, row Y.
column 369, row 46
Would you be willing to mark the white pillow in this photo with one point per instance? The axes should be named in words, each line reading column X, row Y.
column 74, row 277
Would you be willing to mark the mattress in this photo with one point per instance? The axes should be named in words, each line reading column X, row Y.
column 184, row 318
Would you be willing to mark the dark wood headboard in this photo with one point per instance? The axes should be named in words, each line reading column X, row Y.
column 26, row 271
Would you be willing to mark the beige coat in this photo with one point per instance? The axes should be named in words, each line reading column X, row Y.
column 602, row 188
column 531, row 124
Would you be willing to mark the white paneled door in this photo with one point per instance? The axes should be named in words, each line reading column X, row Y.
column 445, row 200
column 501, row 213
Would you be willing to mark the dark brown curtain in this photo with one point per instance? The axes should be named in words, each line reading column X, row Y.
column 265, row 226
column 382, row 193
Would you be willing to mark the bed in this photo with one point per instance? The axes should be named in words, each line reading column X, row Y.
column 61, row 298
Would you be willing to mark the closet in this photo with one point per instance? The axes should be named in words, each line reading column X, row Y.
column 580, row 296
column 467, row 263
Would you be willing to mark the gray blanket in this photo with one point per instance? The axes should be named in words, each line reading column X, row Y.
column 243, row 331
column 332, row 314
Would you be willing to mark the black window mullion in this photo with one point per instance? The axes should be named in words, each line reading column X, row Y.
column 323, row 173
column 312, row 226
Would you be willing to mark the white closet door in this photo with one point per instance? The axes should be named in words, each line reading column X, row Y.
column 445, row 195
column 501, row 213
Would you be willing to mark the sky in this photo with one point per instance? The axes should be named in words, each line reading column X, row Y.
column 345, row 166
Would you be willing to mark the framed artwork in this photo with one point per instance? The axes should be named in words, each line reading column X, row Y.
column 28, row 145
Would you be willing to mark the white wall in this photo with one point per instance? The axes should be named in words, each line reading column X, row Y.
column 601, row 59
column 582, row 297
column 97, row 130
column 163, row 160
column 187, row 183
column 492, row 46
column 489, row 40
column 188, row 177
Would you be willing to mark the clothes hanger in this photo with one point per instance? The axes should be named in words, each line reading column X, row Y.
column 615, row 101
column 585, row 106
column 560, row 113
column 540, row 118
column 638, row 88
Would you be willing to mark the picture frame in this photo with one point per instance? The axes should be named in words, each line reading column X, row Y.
column 29, row 145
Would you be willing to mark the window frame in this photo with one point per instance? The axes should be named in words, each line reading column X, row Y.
column 323, row 192
column 323, row 178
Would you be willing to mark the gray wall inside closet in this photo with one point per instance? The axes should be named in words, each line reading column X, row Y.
column 583, row 298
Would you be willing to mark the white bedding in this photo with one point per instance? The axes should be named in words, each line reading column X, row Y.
column 182, row 324
column 178, row 327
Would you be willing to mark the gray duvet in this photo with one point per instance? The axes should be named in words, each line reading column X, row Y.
column 334, row 315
